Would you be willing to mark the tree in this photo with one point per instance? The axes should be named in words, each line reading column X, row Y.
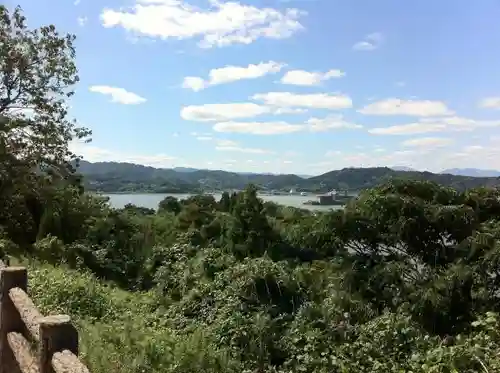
column 37, row 73
column 225, row 202
column 170, row 204
column 250, row 233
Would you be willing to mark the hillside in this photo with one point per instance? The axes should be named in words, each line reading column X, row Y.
column 127, row 177
column 362, row 178
column 122, row 177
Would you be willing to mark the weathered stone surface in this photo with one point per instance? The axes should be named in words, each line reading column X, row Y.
column 67, row 362
column 10, row 321
column 19, row 317
column 27, row 310
column 22, row 352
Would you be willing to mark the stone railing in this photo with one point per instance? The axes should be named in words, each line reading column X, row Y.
column 30, row 342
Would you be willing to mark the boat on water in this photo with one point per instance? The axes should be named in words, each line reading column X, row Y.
column 329, row 199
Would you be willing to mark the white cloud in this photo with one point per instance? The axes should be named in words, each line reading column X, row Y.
column 282, row 127
column 369, row 43
column 289, row 110
column 222, row 112
column 418, row 108
column 307, row 78
column 118, row 95
column 258, row 128
column 427, row 142
column 400, row 83
column 490, row 103
column 242, row 150
column 333, row 153
column 330, row 122
column 428, row 125
column 222, row 24
column 96, row 154
column 230, row 73
column 196, row 134
column 408, row 129
column 312, row 100
column 225, row 145
column 225, row 142
column 194, row 83
column 82, row 21
column 275, row 103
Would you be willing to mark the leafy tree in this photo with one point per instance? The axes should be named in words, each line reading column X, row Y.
column 37, row 72
column 170, row 204
column 250, row 233
column 225, row 202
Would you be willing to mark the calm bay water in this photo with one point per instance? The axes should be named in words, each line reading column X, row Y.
column 151, row 200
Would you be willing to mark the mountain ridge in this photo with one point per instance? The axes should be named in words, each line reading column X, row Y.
column 128, row 177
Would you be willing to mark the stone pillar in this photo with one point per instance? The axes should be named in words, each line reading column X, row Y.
column 57, row 334
column 10, row 320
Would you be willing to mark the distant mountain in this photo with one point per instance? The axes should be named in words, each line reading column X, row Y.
column 361, row 178
column 184, row 169
column 189, row 169
column 402, row 168
column 128, row 177
column 473, row 172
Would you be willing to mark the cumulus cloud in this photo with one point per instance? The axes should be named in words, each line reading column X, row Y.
column 428, row 125
column 330, row 122
column 311, row 100
column 490, row 103
column 230, row 73
column 417, row 108
column 282, row 127
column 225, row 145
column 309, row 78
column 222, row 24
column 427, row 142
column 258, row 128
column 223, row 112
column 370, row 42
column 240, row 149
column 118, row 95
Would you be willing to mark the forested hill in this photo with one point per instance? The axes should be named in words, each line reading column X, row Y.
column 128, row 177
column 362, row 178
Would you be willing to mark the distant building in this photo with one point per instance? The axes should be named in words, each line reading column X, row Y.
column 326, row 199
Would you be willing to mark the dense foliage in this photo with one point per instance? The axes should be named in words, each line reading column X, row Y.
column 404, row 279
column 111, row 177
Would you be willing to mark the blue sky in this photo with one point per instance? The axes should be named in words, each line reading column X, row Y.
column 302, row 86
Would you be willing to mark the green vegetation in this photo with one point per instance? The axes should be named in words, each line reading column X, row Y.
column 404, row 279
column 112, row 177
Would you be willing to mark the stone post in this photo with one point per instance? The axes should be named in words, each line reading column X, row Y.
column 10, row 320
column 57, row 334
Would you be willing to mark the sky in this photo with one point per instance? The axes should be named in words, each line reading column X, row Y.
column 284, row 86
